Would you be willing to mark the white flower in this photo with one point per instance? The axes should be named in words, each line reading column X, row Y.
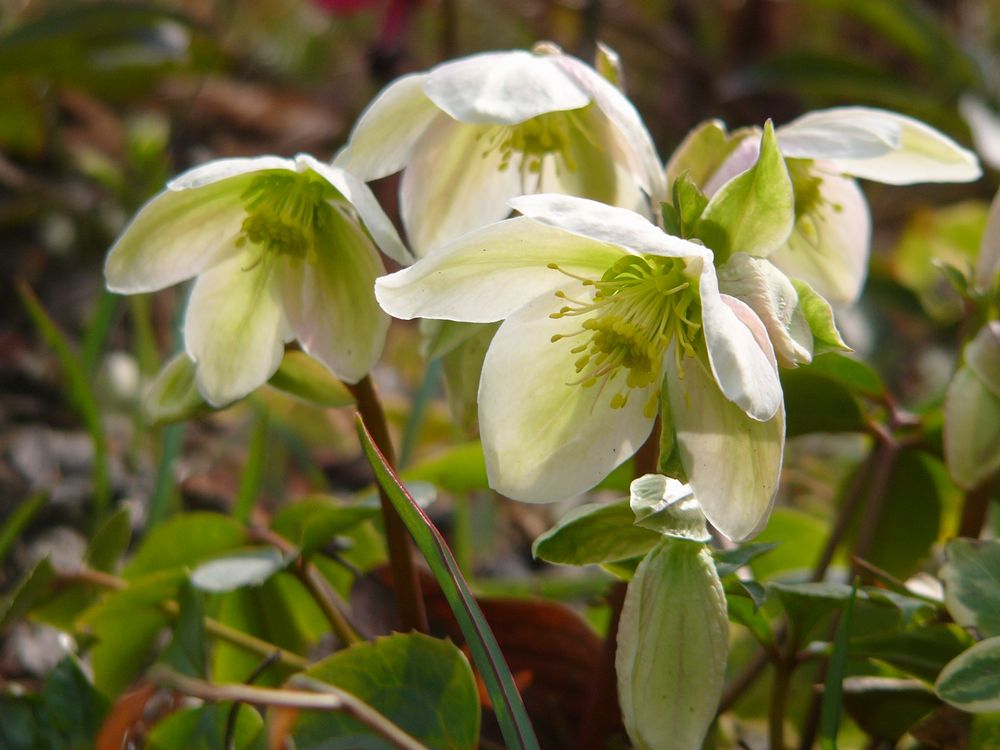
column 282, row 249
column 472, row 133
column 824, row 150
column 600, row 307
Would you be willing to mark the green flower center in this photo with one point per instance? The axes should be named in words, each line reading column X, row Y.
column 640, row 305
column 808, row 198
column 527, row 144
column 285, row 212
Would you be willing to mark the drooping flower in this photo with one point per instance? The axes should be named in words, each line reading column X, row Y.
column 472, row 133
column 600, row 309
column 282, row 249
column 829, row 244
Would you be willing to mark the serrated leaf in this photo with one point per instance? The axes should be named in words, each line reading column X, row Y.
column 755, row 211
column 971, row 578
column 109, row 542
column 598, row 533
column 422, row 684
column 506, row 701
column 306, row 378
column 971, row 681
column 247, row 568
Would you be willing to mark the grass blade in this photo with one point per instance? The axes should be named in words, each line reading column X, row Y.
column 829, row 717
column 507, row 705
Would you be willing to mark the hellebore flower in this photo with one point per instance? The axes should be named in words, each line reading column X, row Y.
column 282, row 249
column 829, row 243
column 472, row 133
column 600, row 308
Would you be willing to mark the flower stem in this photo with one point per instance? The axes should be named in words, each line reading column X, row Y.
column 779, row 695
column 975, row 505
column 406, row 584
column 601, row 712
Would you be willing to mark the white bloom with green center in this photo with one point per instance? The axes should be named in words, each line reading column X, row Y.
column 282, row 249
column 599, row 308
column 824, row 150
column 472, row 133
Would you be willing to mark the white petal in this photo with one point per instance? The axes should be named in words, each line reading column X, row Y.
column 502, row 88
column 360, row 196
column 988, row 265
column 176, row 235
column 830, row 243
column 224, row 169
column 545, row 439
column 235, row 326
column 485, row 275
column 331, row 306
column 713, row 433
column 743, row 156
column 919, row 154
column 453, row 185
column 606, row 224
column 634, row 140
column 383, row 138
column 739, row 351
column 984, row 123
column 840, row 133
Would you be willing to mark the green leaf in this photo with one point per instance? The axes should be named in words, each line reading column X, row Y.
column 689, row 205
column 971, row 579
column 816, row 403
column 597, row 533
column 885, row 707
column 797, row 539
column 672, row 644
column 311, row 522
column 173, row 395
column 851, row 373
column 461, row 468
column 754, row 212
column 185, row 540
column 830, row 708
column 913, row 500
column 422, row 684
column 728, row 561
column 507, row 705
column 186, row 651
column 35, row 585
column 125, row 626
column 807, row 603
column 819, row 315
column 246, row 568
column 302, row 376
column 204, row 728
column 742, row 608
column 71, row 707
column 703, row 151
column 110, row 542
column 921, row 652
column 971, row 681
column 18, row 521
column 972, row 429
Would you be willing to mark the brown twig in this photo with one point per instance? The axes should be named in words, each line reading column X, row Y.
column 406, row 584
column 601, row 711
column 322, row 698
column 975, row 506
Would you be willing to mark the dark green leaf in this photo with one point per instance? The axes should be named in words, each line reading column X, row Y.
column 743, row 610
column 507, row 705
column 311, row 522
column 921, row 652
column 595, row 534
column 71, row 706
column 816, row 403
column 35, row 585
column 830, row 708
column 807, row 603
column 423, row 685
column 885, row 707
column 730, row 560
column 185, row 540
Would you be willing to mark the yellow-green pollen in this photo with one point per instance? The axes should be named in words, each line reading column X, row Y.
column 527, row 144
column 808, row 198
column 285, row 213
column 639, row 306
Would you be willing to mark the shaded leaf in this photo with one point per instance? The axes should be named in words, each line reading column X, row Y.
column 109, row 542
column 971, row 681
column 971, row 578
column 595, row 534
column 186, row 651
column 204, row 728
column 185, row 540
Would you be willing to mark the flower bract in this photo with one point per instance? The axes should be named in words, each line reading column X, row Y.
column 600, row 307
column 472, row 133
column 282, row 249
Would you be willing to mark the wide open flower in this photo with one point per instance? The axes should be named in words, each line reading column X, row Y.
column 830, row 241
column 599, row 308
column 282, row 249
column 472, row 133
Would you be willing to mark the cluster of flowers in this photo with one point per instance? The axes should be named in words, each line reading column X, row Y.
column 628, row 291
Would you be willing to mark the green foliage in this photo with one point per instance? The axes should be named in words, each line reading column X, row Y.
column 109, row 542
column 971, row 578
column 186, row 651
column 205, row 728
column 971, row 681
column 422, row 684
column 245, row 568
column 593, row 534
column 185, row 540
column 306, row 378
